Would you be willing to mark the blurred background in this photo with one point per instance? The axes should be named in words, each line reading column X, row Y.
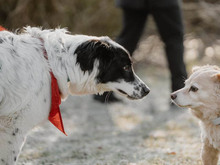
column 101, row 17
column 146, row 132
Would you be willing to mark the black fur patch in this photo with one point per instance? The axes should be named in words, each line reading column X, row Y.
column 88, row 52
column 111, row 59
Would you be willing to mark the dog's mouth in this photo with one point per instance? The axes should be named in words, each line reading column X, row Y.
column 182, row 106
column 128, row 96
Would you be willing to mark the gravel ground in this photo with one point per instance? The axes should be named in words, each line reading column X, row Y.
column 145, row 132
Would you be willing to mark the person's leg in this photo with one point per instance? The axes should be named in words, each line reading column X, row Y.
column 132, row 28
column 170, row 26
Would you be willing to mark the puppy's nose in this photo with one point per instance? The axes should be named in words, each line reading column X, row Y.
column 173, row 96
column 145, row 90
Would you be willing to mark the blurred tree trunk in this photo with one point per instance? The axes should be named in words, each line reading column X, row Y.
column 81, row 16
column 31, row 12
column 6, row 6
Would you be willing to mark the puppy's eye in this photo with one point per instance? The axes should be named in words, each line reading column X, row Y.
column 127, row 68
column 193, row 89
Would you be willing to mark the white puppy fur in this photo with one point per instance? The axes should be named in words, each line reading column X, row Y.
column 25, row 82
column 202, row 94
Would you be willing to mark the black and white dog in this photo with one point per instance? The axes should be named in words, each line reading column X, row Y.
column 81, row 64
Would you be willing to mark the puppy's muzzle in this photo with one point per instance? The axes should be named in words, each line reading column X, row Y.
column 173, row 96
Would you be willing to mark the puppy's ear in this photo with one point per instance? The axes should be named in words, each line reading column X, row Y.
column 205, row 67
column 216, row 77
column 195, row 68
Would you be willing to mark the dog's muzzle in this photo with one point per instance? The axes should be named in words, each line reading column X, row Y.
column 144, row 91
column 140, row 91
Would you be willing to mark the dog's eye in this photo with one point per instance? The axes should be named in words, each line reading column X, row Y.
column 193, row 89
column 127, row 68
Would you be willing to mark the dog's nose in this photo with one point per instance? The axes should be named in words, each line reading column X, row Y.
column 145, row 90
column 173, row 96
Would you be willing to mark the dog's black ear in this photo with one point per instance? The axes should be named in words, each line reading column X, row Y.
column 92, row 50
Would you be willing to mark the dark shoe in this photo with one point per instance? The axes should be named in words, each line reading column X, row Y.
column 107, row 97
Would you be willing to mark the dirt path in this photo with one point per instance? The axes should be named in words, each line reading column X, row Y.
column 146, row 132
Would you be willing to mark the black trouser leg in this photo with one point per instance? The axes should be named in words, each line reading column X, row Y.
column 132, row 29
column 170, row 26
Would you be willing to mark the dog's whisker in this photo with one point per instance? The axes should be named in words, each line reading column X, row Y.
column 107, row 97
column 184, row 78
column 171, row 101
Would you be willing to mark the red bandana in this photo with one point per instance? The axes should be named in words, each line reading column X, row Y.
column 55, row 116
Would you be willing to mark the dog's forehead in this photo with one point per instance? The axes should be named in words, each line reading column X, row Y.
column 122, row 56
column 201, row 76
column 120, row 50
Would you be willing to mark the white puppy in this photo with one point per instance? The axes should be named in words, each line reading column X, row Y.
column 202, row 94
column 81, row 64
